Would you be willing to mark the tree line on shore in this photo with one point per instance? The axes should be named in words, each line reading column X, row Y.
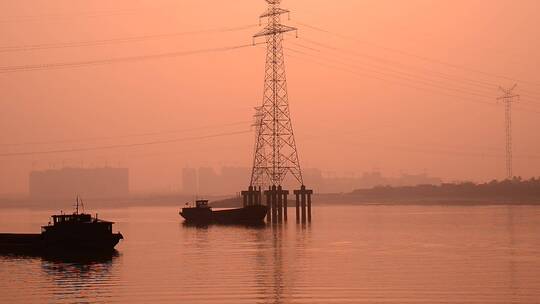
column 516, row 188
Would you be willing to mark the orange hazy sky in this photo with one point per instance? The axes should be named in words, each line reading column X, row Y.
column 403, row 86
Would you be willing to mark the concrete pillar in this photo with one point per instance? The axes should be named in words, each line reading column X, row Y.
column 268, row 205
column 297, row 205
column 279, row 195
column 250, row 196
column 244, row 198
column 274, row 204
column 303, row 201
column 285, row 203
column 309, row 206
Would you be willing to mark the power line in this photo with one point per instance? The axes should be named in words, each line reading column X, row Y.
column 406, row 75
column 427, row 147
column 431, row 149
column 81, row 140
column 108, row 147
column 424, row 58
column 63, row 65
column 415, row 149
column 401, row 83
column 87, row 14
column 462, row 80
column 386, row 79
column 393, row 63
column 43, row 46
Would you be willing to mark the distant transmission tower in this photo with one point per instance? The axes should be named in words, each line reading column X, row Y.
column 257, row 122
column 275, row 147
column 508, row 98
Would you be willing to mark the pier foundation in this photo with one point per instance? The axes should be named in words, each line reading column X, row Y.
column 303, row 204
column 252, row 196
column 276, row 199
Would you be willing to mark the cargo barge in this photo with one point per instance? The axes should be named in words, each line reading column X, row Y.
column 202, row 213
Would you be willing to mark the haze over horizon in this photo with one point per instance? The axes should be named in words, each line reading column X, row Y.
column 153, row 86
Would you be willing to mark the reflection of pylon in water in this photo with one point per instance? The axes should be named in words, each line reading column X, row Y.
column 275, row 146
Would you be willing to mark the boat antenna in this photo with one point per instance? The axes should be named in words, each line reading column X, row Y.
column 82, row 205
column 77, row 205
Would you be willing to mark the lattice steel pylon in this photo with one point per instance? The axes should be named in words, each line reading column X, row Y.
column 275, row 147
column 508, row 98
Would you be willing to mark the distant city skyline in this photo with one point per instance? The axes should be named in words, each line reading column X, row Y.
column 229, row 180
column 105, row 182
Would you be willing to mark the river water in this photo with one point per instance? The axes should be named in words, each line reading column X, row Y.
column 348, row 254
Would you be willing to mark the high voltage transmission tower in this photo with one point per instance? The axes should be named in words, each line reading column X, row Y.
column 275, row 148
column 508, row 98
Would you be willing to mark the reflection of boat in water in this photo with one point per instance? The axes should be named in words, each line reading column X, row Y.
column 67, row 232
column 72, row 257
column 202, row 213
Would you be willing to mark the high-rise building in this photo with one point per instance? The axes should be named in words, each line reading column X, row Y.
column 207, row 181
column 189, row 181
column 233, row 178
column 87, row 182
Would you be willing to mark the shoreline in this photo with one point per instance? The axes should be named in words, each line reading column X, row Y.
column 326, row 200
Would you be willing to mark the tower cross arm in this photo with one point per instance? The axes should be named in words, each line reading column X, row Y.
column 508, row 96
column 275, row 29
column 274, row 11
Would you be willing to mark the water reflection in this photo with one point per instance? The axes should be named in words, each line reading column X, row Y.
column 268, row 266
column 79, row 277
column 76, row 278
column 87, row 258
column 257, row 250
column 370, row 254
column 276, row 268
column 206, row 226
column 511, row 244
column 63, row 257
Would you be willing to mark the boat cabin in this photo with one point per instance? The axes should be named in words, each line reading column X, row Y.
column 71, row 218
column 201, row 204
column 77, row 222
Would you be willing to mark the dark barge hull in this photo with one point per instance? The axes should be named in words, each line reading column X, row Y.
column 20, row 242
column 246, row 215
column 37, row 243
